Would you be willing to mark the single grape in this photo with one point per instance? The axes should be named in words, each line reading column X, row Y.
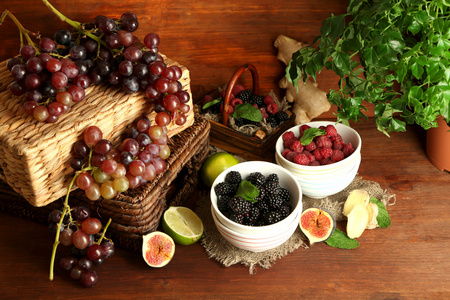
column 132, row 54
column 126, row 158
column 92, row 135
column 62, row 37
column 151, row 92
column 88, row 278
column 107, row 25
column 108, row 248
column 104, row 67
column 183, row 96
column 84, row 181
column 80, row 148
column 148, row 57
column 130, row 84
column 134, row 181
column 159, row 164
column 164, row 152
column 94, row 252
column 59, row 80
column 19, row 71
column 130, row 145
column 145, row 156
column 55, row 108
column 174, row 87
column 93, row 193
column 121, row 184
column 75, row 273
column 153, row 149
column 103, row 146
column 65, row 237
column 32, row 81
column 97, row 159
column 137, row 168
column 68, row 262
column 151, row 40
column 82, row 213
column 107, row 190
column 29, row 107
column 100, row 176
column 65, row 98
column 80, row 239
column 162, row 85
column 47, row 44
column 155, row 132
column 109, row 166
column 141, row 70
column 125, row 38
column 112, row 41
column 84, row 262
column 130, row 24
column 120, row 172
column 77, row 93
column 55, row 216
column 27, row 51
column 162, row 119
column 150, row 172
column 77, row 163
column 181, row 119
column 171, row 102
column 18, row 88
column 157, row 67
column 40, row 113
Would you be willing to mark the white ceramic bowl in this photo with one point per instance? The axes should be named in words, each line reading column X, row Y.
column 254, row 243
column 258, row 236
column 326, row 180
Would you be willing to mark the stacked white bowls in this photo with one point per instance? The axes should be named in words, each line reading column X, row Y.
column 259, row 238
column 325, row 180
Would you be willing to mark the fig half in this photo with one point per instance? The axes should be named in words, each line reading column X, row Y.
column 317, row 224
column 158, row 249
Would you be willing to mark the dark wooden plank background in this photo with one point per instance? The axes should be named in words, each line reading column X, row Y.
column 211, row 38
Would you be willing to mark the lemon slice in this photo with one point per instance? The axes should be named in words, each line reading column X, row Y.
column 182, row 224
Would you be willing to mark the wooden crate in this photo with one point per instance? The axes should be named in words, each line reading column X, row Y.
column 137, row 211
column 35, row 156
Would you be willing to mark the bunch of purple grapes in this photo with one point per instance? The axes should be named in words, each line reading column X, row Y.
column 81, row 232
column 54, row 74
column 106, row 171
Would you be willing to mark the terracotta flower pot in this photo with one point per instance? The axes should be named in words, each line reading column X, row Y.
column 438, row 145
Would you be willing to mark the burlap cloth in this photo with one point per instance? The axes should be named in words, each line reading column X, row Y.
column 219, row 249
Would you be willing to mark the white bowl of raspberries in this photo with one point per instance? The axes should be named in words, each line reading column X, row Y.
column 256, row 205
column 323, row 156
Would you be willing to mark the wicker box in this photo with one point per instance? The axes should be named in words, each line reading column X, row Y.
column 35, row 156
column 138, row 211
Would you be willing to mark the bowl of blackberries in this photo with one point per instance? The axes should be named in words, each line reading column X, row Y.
column 256, row 205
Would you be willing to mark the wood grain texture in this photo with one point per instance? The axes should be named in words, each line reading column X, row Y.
column 211, row 38
column 408, row 260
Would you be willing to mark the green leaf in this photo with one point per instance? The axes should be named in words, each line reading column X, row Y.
column 247, row 191
column 383, row 218
column 342, row 61
column 211, row 103
column 337, row 26
column 340, row 240
column 247, row 111
column 309, row 134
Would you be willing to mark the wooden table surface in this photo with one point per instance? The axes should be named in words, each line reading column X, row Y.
column 408, row 260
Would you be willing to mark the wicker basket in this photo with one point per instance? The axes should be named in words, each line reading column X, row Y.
column 35, row 156
column 138, row 211
column 229, row 139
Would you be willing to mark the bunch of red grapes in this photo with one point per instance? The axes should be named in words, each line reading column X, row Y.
column 81, row 232
column 54, row 74
column 106, row 171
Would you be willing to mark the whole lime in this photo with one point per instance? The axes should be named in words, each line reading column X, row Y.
column 216, row 164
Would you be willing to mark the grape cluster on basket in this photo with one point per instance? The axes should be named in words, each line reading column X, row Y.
column 89, row 247
column 104, row 171
column 53, row 74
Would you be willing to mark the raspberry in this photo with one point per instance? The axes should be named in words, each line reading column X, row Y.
column 235, row 101
column 337, row 137
column 288, row 135
column 268, row 100
column 207, row 99
column 237, row 88
column 303, row 128
column 287, row 143
column 264, row 113
column 230, row 109
column 290, row 156
column 325, row 161
column 317, row 154
column 314, row 163
column 348, row 149
column 309, row 155
column 331, row 130
column 338, row 145
column 325, row 152
column 337, row 155
column 272, row 108
column 296, row 146
column 285, row 152
column 310, row 147
column 323, row 141
column 302, row 159
column 222, row 94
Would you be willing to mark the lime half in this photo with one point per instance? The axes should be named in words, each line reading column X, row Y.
column 182, row 224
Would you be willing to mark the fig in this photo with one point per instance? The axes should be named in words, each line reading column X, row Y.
column 317, row 224
column 355, row 197
column 357, row 221
column 158, row 249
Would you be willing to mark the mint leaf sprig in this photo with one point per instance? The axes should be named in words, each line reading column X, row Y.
column 309, row 134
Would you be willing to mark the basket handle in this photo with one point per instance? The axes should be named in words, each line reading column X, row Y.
column 232, row 82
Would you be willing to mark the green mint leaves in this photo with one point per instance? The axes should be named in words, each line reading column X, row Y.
column 211, row 103
column 247, row 191
column 247, row 111
column 383, row 219
column 340, row 240
column 309, row 134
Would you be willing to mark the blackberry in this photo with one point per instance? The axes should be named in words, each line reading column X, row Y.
column 258, row 100
column 272, row 217
column 224, row 188
column 273, row 178
column 272, row 121
column 263, row 207
column 256, row 178
column 245, row 95
column 285, row 195
column 239, row 122
column 284, row 211
column 281, row 116
column 222, row 203
column 271, row 188
column 238, row 218
column 251, row 216
column 239, row 205
column 274, row 201
column 213, row 109
column 249, row 122
column 233, row 177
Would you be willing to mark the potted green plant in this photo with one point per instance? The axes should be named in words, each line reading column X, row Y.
column 391, row 53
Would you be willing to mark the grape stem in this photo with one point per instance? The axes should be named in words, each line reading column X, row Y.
column 74, row 24
column 23, row 31
column 104, row 231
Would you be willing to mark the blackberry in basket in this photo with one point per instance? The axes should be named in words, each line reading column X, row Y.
column 245, row 95
column 281, row 117
column 272, row 121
